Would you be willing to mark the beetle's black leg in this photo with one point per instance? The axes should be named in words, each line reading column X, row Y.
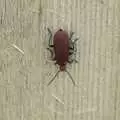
column 50, row 52
column 71, row 47
column 56, row 63
column 75, row 48
column 51, row 46
column 74, row 45
column 75, row 40
column 70, row 40
column 50, row 38
column 71, row 35
column 75, row 60
column 50, row 42
column 70, row 61
column 70, row 53
column 73, row 52
column 49, row 31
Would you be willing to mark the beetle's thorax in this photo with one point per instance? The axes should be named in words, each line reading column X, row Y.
column 62, row 68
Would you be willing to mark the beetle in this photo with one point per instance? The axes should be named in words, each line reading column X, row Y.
column 61, row 48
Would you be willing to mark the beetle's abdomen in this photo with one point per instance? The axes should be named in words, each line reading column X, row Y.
column 61, row 47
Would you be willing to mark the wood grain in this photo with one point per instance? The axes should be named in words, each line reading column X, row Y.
column 26, row 66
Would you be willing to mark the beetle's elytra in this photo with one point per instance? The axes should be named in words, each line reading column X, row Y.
column 61, row 48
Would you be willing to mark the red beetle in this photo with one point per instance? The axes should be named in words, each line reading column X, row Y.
column 63, row 48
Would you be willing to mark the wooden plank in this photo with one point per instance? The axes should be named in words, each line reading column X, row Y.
column 26, row 68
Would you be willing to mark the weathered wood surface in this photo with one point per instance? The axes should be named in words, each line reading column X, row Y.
column 26, row 68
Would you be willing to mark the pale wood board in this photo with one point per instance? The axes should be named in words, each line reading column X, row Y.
column 26, row 66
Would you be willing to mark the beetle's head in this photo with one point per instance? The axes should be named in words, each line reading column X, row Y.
column 62, row 68
column 60, row 29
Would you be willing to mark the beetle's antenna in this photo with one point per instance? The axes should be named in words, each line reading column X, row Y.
column 70, row 77
column 53, row 77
